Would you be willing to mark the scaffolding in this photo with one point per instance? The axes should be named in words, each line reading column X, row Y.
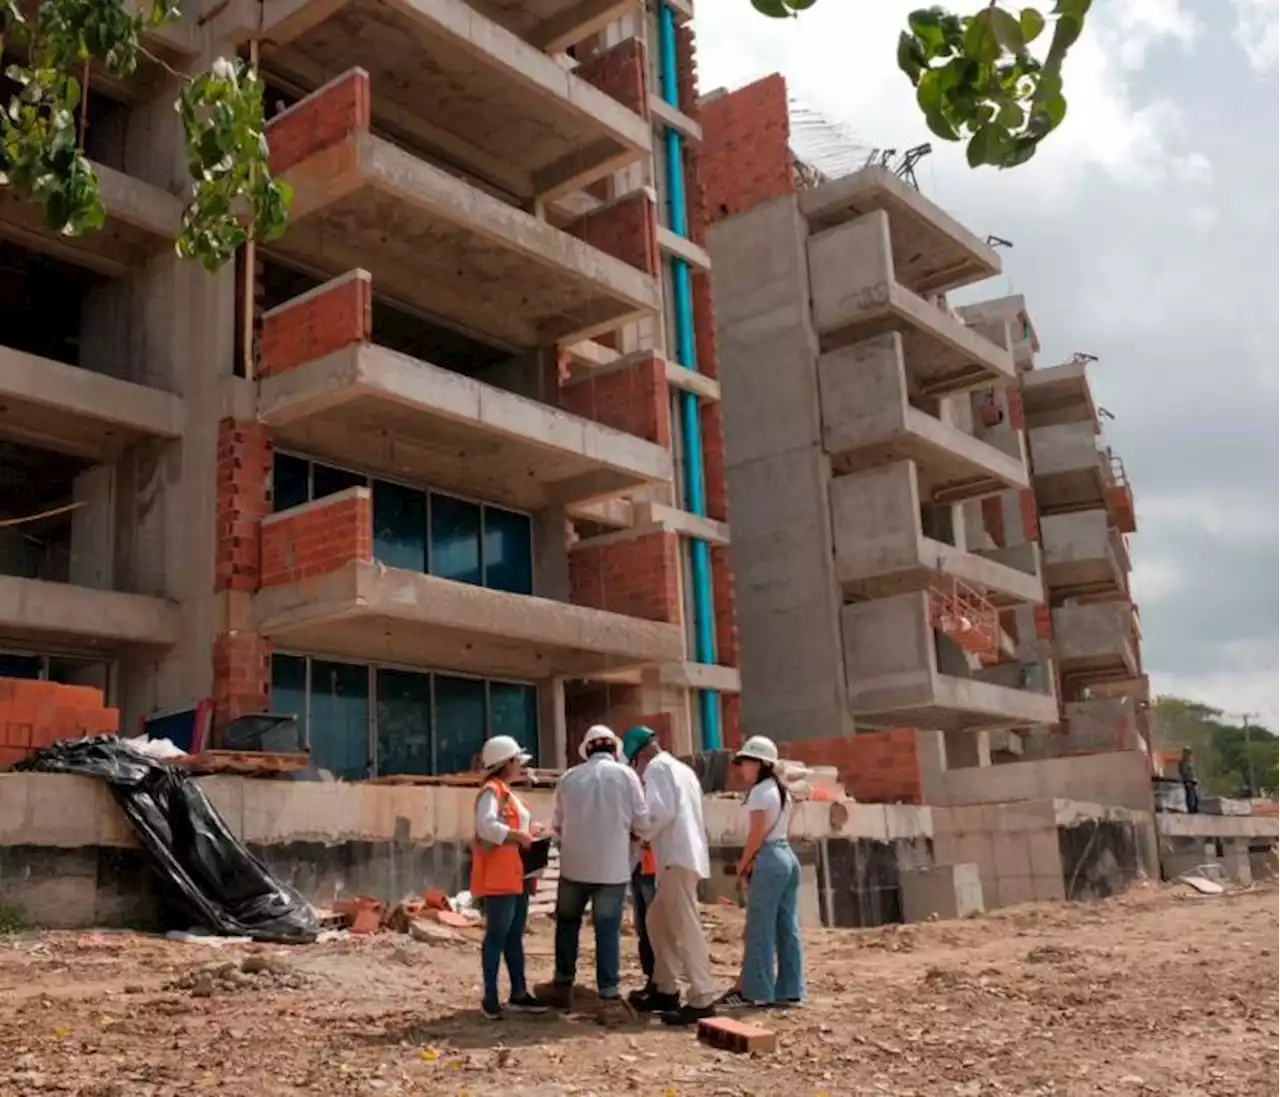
column 964, row 616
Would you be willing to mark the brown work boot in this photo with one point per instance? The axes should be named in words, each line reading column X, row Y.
column 555, row 995
column 614, row 1012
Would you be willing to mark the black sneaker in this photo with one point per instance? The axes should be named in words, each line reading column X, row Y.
column 526, row 1003
column 734, row 1000
column 687, row 1015
column 492, row 1011
column 652, row 1000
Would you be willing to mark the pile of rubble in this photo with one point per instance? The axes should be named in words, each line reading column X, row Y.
column 257, row 971
column 431, row 916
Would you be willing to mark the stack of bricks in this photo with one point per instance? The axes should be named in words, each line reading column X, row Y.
column 35, row 715
column 875, row 767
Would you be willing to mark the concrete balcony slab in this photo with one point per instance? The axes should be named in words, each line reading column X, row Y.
column 1012, row 311
column 451, row 82
column 1096, row 642
column 1083, row 555
column 857, row 295
column 1067, row 471
column 69, row 618
column 893, row 677
column 71, row 410
column 868, row 421
column 400, row 416
column 367, row 611
column 932, row 251
column 142, row 220
column 1058, row 394
column 438, row 245
column 881, row 549
column 552, row 25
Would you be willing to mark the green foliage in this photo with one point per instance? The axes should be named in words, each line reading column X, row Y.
column 976, row 77
column 781, row 9
column 12, row 920
column 1222, row 750
column 42, row 148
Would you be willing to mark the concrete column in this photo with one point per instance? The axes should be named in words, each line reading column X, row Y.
column 553, row 738
column 93, row 528
column 551, row 554
column 967, row 749
column 1235, row 861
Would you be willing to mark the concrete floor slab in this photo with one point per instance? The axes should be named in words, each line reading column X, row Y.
column 1083, row 555
column 1058, row 394
column 405, row 417
column 1068, row 472
column 76, row 411
column 1096, row 640
column 932, row 251
column 142, row 220
column 38, row 613
column 435, row 244
column 447, row 80
column 370, row 612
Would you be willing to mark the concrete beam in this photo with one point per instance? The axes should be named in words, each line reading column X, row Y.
column 934, row 252
column 1178, row 825
column 681, row 522
column 675, row 119
column 36, row 611
column 681, row 247
column 483, row 437
column 701, row 676
column 77, row 411
column 541, row 285
column 370, row 609
column 579, row 20
column 1059, row 394
column 688, row 380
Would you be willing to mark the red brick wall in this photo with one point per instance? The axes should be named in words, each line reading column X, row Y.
column 627, row 229
column 726, row 612
column 244, row 498
column 587, row 703
column 241, row 676
column 878, row 767
column 634, row 399
column 731, row 720
column 1030, row 515
column 993, row 519
column 320, row 120
column 1017, row 417
column 638, row 577
column 35, row 715
column 619, row 72
column 711, row 418
column 745, row 157
column 317, row 538
column 330, row 317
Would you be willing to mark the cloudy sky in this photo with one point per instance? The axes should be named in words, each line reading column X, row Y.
column 1145, row 232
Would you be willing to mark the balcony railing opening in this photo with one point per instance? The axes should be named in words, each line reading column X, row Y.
column 40, row 303
column 36, row 487
column 965, row 617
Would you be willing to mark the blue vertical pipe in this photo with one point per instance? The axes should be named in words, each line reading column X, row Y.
column 691, row 426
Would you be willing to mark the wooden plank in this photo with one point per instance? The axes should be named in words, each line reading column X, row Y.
column 246, row 762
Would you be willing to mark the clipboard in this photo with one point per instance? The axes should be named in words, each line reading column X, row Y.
column 536, row 857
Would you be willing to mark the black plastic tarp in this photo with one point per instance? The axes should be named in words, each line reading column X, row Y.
column 205, row 872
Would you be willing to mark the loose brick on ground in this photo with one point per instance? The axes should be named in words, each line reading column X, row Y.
column 730, row 1035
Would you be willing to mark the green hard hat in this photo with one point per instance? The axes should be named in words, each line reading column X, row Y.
column 636, row 740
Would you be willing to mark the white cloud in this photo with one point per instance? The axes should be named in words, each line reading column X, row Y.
column 1144, row 23
column 1258, row 32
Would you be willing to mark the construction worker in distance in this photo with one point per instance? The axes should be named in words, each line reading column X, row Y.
column 599, row 805
column 773, row 956
column 678, row 837
column 503, row 831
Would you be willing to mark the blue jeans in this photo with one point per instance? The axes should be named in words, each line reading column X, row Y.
column 504, row 921
column 606, row 913
column 642, row 892
column 773, row 957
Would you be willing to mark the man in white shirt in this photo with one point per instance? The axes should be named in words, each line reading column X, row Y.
column 599, row 804
column 678, row 838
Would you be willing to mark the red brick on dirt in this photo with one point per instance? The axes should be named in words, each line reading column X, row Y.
column 730, row 1035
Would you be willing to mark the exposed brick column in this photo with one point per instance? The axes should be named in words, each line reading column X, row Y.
column 711, row 417
column 244, row 499
column 634, row 399
column 731, row 720
column 241, row 676
column 635, row 576
column 1030, row 514
column 726, row 611
column 620, row 73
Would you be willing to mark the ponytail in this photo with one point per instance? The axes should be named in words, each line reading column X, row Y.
column 767, row 771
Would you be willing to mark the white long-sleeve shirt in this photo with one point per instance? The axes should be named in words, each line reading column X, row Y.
column 489, row 825
column 676, row 832
column 598, row 806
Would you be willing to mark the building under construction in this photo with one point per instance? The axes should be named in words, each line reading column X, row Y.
column 442, row 462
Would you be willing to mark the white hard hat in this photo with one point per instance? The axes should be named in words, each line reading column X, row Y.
column 595, row 734
column 499, row 750
column 758, row 748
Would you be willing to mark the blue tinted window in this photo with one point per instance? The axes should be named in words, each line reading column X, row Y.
column 327, row 480
column 508, row 551
column 404, row 722
column 289, row 481
column 513, row 710
column 399, row 526
column 455, row 539
column 289, row 689
column 339, row 732
column 459, row 722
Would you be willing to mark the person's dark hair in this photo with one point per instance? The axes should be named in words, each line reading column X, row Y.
column 769, row 770
column 600, row 746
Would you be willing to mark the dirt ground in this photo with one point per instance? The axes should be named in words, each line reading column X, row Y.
column 1159, row 992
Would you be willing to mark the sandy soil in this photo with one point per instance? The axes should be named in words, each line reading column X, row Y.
column 1157, row 993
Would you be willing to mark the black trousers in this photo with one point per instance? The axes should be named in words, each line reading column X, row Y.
column 1193, row 797
column 642, row 892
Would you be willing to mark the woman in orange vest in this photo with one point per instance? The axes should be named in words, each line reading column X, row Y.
column 497, row 875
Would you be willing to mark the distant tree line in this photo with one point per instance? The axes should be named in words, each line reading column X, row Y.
column 1222, row 747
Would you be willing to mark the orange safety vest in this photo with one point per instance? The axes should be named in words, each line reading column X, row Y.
column 648, row 863
column 498, row 870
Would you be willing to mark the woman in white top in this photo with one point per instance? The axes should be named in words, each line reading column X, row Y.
column 773, row 955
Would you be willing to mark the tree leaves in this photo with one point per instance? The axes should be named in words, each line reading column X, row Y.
column 781, row 9
column 233, row 195
column 975, row 77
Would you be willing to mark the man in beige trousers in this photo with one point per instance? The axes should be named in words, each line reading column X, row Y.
column 678, row 839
